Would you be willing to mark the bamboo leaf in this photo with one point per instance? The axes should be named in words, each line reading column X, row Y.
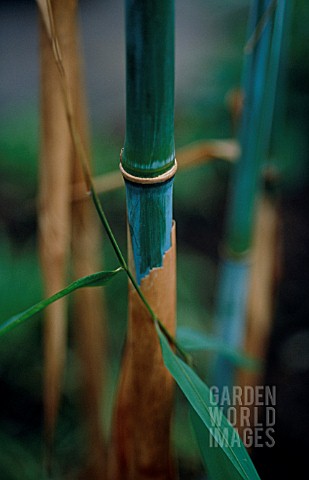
column 194, row 341
column 220, row 443
column 216, row 464
column 94, row 280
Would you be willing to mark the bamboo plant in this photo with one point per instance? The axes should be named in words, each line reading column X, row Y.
column 259, row 84
column 136, row 450
column 265, row 268
column 141, row 428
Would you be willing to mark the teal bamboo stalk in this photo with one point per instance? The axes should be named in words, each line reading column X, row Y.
column 235, row 268
column 267, row 245
column 278, row 54
column 281, row 100
column 140, row 447
column 149, row 142
column 246, row 174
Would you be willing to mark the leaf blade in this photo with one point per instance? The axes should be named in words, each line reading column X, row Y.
column 94, row 280
column 203, row 403
column 217, row 467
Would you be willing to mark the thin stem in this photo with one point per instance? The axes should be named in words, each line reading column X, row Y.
column 106, row 225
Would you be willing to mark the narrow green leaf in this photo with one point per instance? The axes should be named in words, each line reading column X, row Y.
column 224, row 443
column 217, row 465
column 94, row 280
column 193, row 341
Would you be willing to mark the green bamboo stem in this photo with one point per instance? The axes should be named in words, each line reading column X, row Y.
column 149, row 143
column 140, row 447
column 235, row 268
column 239, row 223
column 267, row 248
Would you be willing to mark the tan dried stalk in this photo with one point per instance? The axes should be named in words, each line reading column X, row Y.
column 63, row 168
column 54, row 219
column 264, row 279
column 88, row 305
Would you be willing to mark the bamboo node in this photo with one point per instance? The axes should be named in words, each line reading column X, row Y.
column 148, row 180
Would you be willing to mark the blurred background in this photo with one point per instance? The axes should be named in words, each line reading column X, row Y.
column 210, row 38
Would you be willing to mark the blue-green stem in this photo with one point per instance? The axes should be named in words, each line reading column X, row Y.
column 235, row 268
column 125, row 266
column 149, row 142
column 244, row 183
column 149, row 149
